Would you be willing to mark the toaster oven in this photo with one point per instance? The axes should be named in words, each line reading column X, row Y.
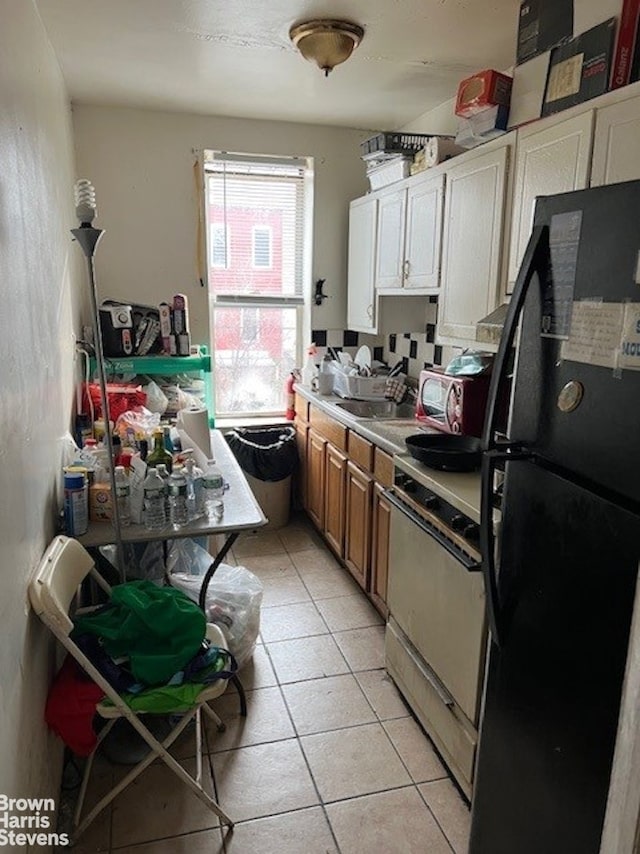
column 453, row 404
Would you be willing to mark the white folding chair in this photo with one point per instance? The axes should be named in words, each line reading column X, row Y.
column 52, row 589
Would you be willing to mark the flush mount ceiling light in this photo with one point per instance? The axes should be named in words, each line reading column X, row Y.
column 326, row 42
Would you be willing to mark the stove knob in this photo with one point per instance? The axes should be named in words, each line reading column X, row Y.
column 458, row 522
column 472, row 532
column 432, row 502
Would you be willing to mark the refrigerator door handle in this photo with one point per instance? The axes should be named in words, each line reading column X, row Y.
column 490, row 459
column 536, row 260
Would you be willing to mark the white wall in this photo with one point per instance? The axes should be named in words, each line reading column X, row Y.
column 36, row 376
column 141, row 163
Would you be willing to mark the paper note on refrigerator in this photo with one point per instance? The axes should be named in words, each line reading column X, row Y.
column 596, row 333
column 630, row 348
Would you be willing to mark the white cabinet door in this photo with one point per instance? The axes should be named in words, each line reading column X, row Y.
column 616, row 146
column 472, row 244
column 361, row 302
column 423, row 241
column 390, row 249
column 552, row 160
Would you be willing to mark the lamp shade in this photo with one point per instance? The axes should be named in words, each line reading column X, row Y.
column 327, row 43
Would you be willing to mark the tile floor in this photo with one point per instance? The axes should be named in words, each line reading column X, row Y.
column 329, row 758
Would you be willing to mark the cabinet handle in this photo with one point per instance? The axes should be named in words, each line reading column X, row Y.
column 370, row 312
column 405, row 274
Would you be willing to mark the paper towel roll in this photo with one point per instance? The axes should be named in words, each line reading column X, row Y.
column 195, row 423
column 440, row 148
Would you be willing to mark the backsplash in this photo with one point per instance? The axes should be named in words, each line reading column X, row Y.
column 418, row 350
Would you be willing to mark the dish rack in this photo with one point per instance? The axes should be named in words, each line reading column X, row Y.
column 359, row 388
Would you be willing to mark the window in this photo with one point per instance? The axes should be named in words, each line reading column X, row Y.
column 259, row 222
column 220, row 245
column 261, row 247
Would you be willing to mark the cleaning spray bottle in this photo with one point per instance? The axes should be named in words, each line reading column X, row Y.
column 310, row 370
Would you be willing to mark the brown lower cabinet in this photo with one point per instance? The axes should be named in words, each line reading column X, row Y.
column 343, row 477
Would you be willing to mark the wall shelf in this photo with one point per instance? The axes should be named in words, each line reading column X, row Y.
column 199, row 363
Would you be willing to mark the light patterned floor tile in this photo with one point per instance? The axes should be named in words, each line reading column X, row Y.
column 325, row 704
column 354, row 761
column 203, row 842
column 277, row 565
column 260, row 542
column 284, row 591
column 306, row 658
column 328, row 582
column 263, row 780
column 291, row 833
column 299, row 537
column 362, row 648
column 157, row 805
column 395, row 822
column 314, row 560
column 451, row 811
column 416, row 750
column 349, row 612
column 291, row 621
column 267, row 720
column 382, row 694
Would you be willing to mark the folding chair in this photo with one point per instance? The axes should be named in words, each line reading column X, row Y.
column 52, row 589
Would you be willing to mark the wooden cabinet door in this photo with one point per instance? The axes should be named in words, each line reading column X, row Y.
column 553, row 160
column 302, row 431
column 361, row 301
column 381, row 517
column 472, row 244
column 423, row 242
column 390, row 244
column 316, row 454
column 358, row 530
column 334, row 498
column 616, row 144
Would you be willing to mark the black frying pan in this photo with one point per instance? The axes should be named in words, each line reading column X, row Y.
column 446, row 452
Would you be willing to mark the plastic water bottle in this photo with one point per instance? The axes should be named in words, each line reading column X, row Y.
column 155, row 516
column 195, row 490
column 178, row 511
column 164, row 474
column 122, row 495
column 213, row 487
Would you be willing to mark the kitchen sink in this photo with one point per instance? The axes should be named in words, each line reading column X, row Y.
column 377, row 409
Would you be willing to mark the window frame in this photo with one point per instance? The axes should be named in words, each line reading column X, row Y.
column 298, row 301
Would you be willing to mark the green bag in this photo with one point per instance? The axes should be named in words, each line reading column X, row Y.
column 158, row 628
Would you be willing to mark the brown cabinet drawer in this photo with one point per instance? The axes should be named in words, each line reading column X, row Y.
column 383, row 468
column 360, row 451
column 302, row 407
column 332, row 430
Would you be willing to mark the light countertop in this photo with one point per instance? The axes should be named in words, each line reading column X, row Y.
column 462, row 489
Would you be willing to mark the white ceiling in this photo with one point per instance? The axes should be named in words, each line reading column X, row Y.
column 234, row 58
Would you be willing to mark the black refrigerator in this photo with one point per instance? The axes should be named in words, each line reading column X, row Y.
column 560, row 569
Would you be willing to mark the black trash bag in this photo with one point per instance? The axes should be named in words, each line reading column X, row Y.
column 266, row 453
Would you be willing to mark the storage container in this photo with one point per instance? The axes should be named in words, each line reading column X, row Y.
column 390, row 172
column 359, row 388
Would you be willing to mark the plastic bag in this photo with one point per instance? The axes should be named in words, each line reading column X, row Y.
column 233, row 598
column 157, row 400
column 134, row 421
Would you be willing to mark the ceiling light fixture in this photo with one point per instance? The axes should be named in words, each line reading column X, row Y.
column 326, row 42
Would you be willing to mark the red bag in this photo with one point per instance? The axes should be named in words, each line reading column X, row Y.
column 120, row 398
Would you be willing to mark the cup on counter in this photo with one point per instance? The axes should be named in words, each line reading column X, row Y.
column 323, row 383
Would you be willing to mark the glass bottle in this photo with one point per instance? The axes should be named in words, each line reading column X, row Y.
column 213, row 488
column 159, row 453
column 122, row 495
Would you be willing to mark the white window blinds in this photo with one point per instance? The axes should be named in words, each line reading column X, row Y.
column 256, row 212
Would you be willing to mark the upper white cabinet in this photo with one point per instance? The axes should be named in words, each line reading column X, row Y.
column 361, row 302
column 472, row 242
column 410, row 236
column 366, row 310
column 549, row 160
column 616, row 145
